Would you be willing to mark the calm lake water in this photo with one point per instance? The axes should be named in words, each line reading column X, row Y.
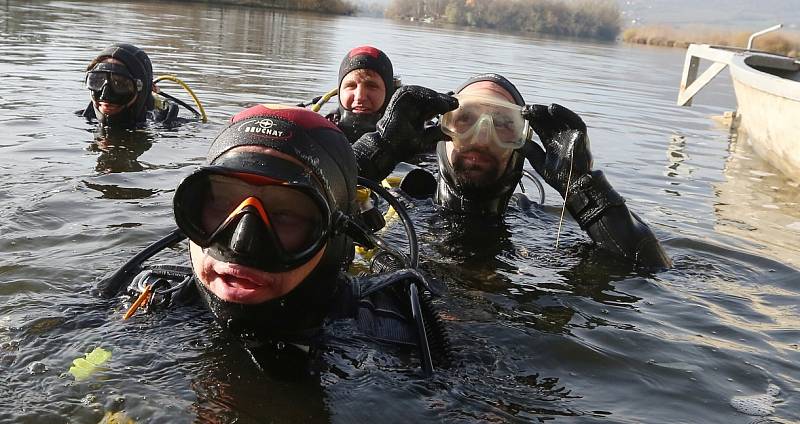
column 540, row 333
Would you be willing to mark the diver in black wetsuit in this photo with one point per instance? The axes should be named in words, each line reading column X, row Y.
column 489, row 129
column 120, row 80
column 271, row 222
column 366, row 83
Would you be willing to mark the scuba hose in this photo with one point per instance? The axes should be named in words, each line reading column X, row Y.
column 318, row 103
column 433, row 339
column 536, row 182
column 413, row 259
column 111, row 286
column 201, row 113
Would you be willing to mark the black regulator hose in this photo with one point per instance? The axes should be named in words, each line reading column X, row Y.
column 111, row 285
column 433, row 340
column 181, row 102
column 411, row 233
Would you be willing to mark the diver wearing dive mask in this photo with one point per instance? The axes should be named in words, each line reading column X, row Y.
column 271, row 221
column 484, row 137
column 120, row 83
column 366, row 83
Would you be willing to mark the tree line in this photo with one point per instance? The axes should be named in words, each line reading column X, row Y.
column 579, row 18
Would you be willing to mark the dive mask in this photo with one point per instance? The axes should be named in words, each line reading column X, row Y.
column 110, row 82
column 483, row 119
column 254, row 220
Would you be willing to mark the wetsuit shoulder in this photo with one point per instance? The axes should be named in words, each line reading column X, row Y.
column 171, row 285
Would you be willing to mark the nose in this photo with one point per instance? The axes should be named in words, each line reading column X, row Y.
column 360, row 93
column 105, row 92
column 483, row 130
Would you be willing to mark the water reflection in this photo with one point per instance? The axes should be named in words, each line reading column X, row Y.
column 119, row 150
column 528, row 281
column 539, row 332
column 231, row 388
column 757, row 204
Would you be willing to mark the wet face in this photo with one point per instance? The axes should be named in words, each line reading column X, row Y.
column 237, row 283
column 362, row 91
column 480, row 162
column 111, row 109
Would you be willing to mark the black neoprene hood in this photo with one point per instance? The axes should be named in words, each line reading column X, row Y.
column 368, row 57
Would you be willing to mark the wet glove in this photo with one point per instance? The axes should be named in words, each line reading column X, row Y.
column 566, row 145
column 402, row 131
column 591, row 200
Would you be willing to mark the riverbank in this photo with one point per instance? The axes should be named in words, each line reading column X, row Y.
column 332, row 7
column 785, row 43
column 598, row 19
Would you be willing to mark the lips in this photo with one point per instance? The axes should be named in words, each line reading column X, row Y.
column 239, row 284
column 361, row 109
column 108, row 108
column 477, row 159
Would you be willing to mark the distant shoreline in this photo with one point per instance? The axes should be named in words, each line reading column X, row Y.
column 328, row 7
column 780, row 42
column 592, row 19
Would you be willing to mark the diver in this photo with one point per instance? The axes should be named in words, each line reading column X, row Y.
column 485, row 132
column 366, row 83
column 120, row 83
column 271, row 222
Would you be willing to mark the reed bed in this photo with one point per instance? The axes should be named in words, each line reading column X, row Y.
column 785, row 43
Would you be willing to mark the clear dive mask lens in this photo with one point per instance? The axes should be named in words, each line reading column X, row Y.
column 483, row 119
column 291, row 221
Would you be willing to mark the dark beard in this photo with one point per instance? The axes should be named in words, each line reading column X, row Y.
column 469, row 181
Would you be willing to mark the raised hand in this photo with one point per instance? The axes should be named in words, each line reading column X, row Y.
column 566, row 145
column 403, row 124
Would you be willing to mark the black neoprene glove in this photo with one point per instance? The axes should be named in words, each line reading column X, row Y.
column 591, row 200
column 566, row 145
column 401, row 132
column 403, row 124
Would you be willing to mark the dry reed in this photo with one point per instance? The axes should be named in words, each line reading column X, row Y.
column 785, row 43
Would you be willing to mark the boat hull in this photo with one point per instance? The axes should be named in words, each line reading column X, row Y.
column 769, row 110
